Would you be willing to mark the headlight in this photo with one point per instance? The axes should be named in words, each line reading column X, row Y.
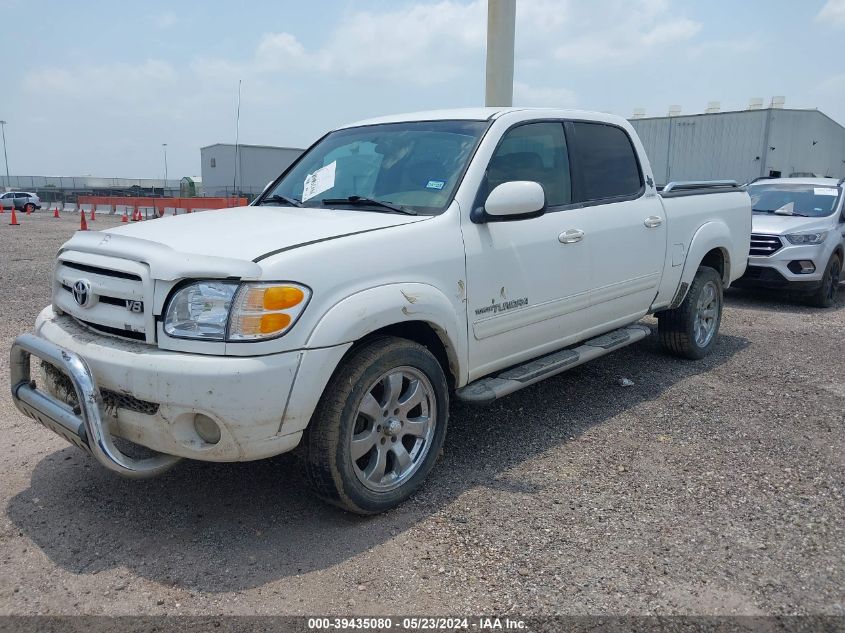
column 228, row 311
column 200, row 310
column 807, row 238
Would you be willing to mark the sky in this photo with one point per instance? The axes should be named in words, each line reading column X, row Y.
column 97, row 87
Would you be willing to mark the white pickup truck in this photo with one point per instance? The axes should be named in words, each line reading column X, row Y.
column 398, row 262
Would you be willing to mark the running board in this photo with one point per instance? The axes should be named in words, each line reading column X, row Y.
column 486, row 390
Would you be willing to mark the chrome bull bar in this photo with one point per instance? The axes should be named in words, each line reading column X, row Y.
column 82, row 426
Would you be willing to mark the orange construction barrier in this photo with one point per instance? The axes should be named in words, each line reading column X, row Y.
column 160, row 203
column 83, row 225
column 13, row 221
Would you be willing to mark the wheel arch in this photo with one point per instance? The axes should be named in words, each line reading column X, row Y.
column 414, row 311
column 710, row 246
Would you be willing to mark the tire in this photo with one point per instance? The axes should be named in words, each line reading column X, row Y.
column 395, row 452
column 691, row 329
column 29, row 207
column 825, row 296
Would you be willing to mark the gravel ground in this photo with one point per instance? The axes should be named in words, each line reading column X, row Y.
column 711, row 487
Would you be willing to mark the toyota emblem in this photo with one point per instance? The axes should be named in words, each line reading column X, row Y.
column 82, row 292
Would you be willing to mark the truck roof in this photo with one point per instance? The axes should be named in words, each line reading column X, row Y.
column 481, row 114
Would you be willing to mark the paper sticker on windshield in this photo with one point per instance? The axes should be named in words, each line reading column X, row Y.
column 825, row 191
column 435, row 184
column 318, row 182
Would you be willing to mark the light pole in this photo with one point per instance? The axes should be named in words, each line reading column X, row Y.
column 501, row 27
column 5, row 156
column 164, row 145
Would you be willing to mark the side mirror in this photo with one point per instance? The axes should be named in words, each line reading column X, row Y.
column 516, row 200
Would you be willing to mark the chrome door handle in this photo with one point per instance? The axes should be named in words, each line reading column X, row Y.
column 653, row 221
column 571, row 236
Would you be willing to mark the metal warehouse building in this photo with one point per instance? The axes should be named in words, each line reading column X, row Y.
column 743, row 145
column 257, row 165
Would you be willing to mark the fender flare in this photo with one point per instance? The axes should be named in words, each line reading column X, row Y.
column 709, row 236
column 366, row 311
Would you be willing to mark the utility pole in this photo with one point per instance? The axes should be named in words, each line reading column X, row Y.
column 501, row 29
column 5, row 156
column 164, row 145
column 237, row 141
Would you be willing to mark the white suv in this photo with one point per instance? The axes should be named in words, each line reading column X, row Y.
column 21, row 200
column 797, row 237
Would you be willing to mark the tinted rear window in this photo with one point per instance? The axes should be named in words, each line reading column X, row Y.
column 607, row 161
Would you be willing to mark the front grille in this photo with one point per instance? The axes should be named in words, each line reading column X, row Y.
column 135, row 336
column 62, row 388
column 114, row 301
column 118, row 288
column 102, row 271
column 765, row 245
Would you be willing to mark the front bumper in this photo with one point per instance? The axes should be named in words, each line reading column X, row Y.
column 770, row 278
column 251, row 399
column 773, row 271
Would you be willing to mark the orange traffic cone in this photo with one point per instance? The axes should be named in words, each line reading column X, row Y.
column 124, row 218
column 56, row 212
column 93, row 217
column 14, row 219
column 83, row 225
column 28, row 210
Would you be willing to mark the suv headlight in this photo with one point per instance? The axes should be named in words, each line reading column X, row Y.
column 807, row 238
column 229, row 311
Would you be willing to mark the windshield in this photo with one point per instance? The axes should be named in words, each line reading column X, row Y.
column 812, row 201
column 413, row 165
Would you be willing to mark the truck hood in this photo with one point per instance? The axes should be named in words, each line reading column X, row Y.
column 771, row 224
column 228, row 242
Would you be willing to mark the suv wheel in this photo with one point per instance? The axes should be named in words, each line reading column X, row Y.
column 29, row 207
column 690, row 329
column 825, row 296
column 379, row 426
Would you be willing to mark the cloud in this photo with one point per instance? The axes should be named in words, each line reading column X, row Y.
column 543, row 96
column 835, row 84
column 833, row 12
column 418, row 44
column 165, row 20
column 727, row 47
column 638, row 30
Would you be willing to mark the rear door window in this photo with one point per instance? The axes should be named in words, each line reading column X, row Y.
column 605, row 161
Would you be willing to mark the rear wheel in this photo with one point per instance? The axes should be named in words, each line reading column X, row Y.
column 690, row 329
column 379, row 426
column 29, row 207
column 825, row 296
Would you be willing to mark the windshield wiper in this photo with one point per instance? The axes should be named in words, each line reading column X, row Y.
column 359, row 201
column 277, row 198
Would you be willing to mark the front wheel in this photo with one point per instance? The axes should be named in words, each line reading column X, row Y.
column 825, row 296
column 690, row 329
column 379, row 426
